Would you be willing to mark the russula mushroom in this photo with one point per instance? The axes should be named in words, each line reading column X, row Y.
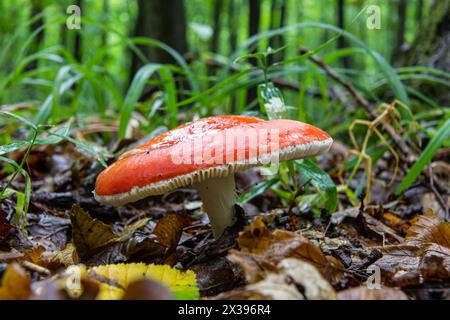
column 206, row 153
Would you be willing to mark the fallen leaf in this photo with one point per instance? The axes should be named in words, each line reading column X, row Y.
column 284, row 283
column 114, row 279
column 15, row 284
column 146, row 289
column 97, row 243
column 364, row 293
column 425, row 250
column 88, row 234
column 168, row 231
column 217, row 275
column 429, row 228
column 261, row 251
column 67, row 256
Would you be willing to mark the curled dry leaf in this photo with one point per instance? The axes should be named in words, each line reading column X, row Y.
column 262, row 250
column 425, row 252
column 67, row 256
column 429, row 228
column 293, row 279
column 15, row 283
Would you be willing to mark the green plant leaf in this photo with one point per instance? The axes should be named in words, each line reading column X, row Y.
column 256, row 190
column 321, row 181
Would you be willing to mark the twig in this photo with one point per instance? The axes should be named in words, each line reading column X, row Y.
column 34, row 267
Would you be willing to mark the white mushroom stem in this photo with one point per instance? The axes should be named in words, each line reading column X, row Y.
column 218, row 196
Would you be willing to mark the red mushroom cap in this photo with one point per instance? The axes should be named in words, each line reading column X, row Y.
column 205, row 148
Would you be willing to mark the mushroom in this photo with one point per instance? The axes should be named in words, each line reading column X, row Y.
column 206, row 153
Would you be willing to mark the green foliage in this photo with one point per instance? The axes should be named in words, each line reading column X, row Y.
column 442, row 135
column 321, row 181
column 61, row 88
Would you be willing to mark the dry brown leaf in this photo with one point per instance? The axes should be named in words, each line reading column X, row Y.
column 429, row 228
column 15, row 284
column 364, row 293
column 168, row 231
column 284, row 283
column 262, row 250
column 67, row 256
column 88, row 234
column 425, row 252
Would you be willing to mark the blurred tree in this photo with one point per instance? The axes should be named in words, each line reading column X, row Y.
column 217, row 26
column 254, row 16
column 253, row 28
column 278, row 10
column 37, row 16
column 341, row 43
column 78, row 50
column 431, row 46
column 232, row 24
column 401, row 27
column 164, row 21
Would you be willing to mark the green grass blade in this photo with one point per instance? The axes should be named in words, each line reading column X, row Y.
column 133, row 94
column 442, row 135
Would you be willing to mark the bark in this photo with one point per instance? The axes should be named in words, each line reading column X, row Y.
column 164, row 21
column 253, row 28
column 278, row 10
column 431, row 46
column 255, row 14
column 218, row 5
column 232, row 24
column 341, row 43
column 78, row 46
column 401, row 27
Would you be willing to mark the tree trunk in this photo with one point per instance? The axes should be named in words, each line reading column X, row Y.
column 341, row 43
column 78, row 49
column 218, row 5
column 255, row 14
column 164, row 21
column 232, row 25
column 253, row 28
column 401, row 26
column 278, row 10
column 431, row 48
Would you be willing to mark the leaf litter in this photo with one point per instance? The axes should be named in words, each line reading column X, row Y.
column 276, row 250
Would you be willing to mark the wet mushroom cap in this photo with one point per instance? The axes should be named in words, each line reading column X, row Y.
column 206, row 148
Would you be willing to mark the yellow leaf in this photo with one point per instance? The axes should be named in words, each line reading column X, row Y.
column 113, row 279
column 15, row 284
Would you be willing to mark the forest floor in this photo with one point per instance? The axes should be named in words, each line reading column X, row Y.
column 399, row 246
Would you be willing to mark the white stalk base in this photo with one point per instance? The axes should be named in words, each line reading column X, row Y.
column 218, row 196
